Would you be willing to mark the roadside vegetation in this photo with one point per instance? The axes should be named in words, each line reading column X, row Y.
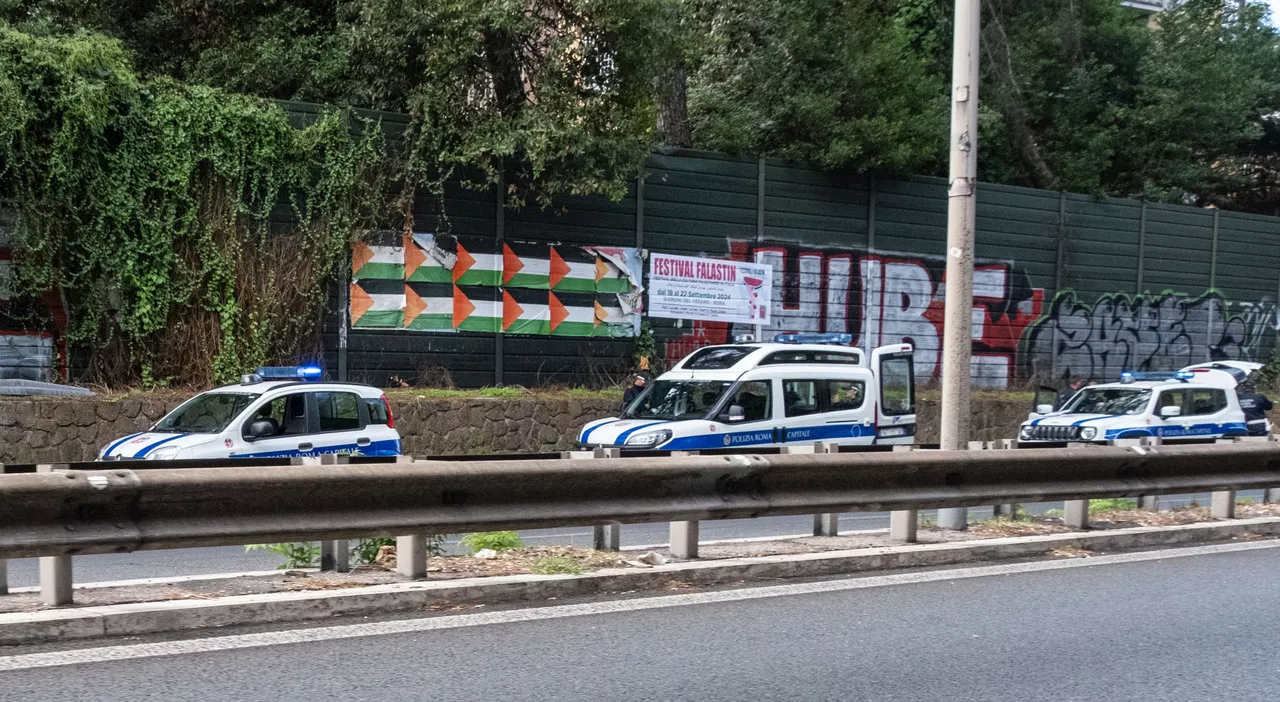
column 153, row 170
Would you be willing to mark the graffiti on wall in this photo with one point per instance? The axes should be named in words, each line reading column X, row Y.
column 884, row 299
column 1162, row 331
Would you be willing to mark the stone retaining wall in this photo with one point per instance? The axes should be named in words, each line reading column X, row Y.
column 64, row 430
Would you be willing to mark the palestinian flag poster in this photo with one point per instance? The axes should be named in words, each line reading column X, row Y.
column 439, row 283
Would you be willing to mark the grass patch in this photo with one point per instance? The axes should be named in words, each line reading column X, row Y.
column 496, row 540
column 1112, row 504
column 556, row 565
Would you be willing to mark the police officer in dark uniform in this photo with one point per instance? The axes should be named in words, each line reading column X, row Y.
column 1255, row 408
column 633, row 391
column 1067, row 393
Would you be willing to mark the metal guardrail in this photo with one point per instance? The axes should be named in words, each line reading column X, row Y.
column 140, row 464
column 117, row 507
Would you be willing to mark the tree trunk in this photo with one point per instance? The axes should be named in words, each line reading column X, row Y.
column 673, row 113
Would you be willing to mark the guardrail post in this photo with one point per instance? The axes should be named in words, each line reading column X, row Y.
column 1006, row 510
column 4, row 564
column 684, row 535
column 55, row 571
column 1075, row 514
column 1224, row 501
column 411, row 550
column 1151, row 503
column 903, row 523
column 828, row 523
column 606, row 537
column 335, row 555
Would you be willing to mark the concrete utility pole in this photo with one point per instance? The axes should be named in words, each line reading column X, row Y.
column 957, row 344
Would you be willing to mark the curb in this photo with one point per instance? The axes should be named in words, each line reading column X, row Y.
column 181, row 615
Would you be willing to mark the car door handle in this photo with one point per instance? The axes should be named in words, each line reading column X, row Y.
column 362, row 441
column 305, row 447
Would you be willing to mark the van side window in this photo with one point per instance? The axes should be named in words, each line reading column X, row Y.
column 800, row 397
column 1207, row 401
column 338, row 411
column 846, row 394
column 755, row 400
column 1170, row 398
column 288, row 413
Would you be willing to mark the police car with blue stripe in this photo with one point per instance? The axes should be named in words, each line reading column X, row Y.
column 276, row 412
column 801, row 389
column 1187, row 405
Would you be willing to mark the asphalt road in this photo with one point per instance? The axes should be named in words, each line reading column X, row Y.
column 234, row 559
column 1150, row 627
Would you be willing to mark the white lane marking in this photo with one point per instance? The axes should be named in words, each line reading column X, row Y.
column 350, row 631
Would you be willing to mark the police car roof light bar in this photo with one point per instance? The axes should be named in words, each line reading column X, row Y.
column 794, row 338
column 307, row 373
column 1130, row 376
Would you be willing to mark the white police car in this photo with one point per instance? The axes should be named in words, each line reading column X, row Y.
column 1182, row 405
column 274, row 413
column 801, row 389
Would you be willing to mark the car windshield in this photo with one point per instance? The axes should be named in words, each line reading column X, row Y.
column 205, row 414
column 1109, row 401
column 678, row 399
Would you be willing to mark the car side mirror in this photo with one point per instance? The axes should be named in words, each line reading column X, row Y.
column 1170, row 411
column 1044, row 409
column 735, row 414
column 262, row 428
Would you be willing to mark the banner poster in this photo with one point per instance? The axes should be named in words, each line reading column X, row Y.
column 709, row 289
column 440, row 283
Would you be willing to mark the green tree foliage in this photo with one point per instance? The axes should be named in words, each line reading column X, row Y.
column 560, row 91
column 1205, row 104
column 1056, row 76
column 147, row 205
column 835, row 82
column 1090, row 96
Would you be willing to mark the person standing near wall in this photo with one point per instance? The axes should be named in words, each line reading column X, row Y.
column 1255, row 406
column 1067, row 393
column 633, row 391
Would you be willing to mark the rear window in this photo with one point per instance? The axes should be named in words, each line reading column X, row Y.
column 377, row 411
column 717, row 357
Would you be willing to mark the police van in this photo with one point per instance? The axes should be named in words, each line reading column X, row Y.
column 276, row 412
column 1190, row 404
column 801, row 389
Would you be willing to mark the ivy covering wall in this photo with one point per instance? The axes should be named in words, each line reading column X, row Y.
column 148, row 207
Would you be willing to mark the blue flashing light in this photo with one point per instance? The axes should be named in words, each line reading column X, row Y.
column 1130, row 376
column 793, row 338
column 307, row 373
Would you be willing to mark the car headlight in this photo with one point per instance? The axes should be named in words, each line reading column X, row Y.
column 649, row 438
column 1025, row 433
column 167, row 453
column 1088, row 433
